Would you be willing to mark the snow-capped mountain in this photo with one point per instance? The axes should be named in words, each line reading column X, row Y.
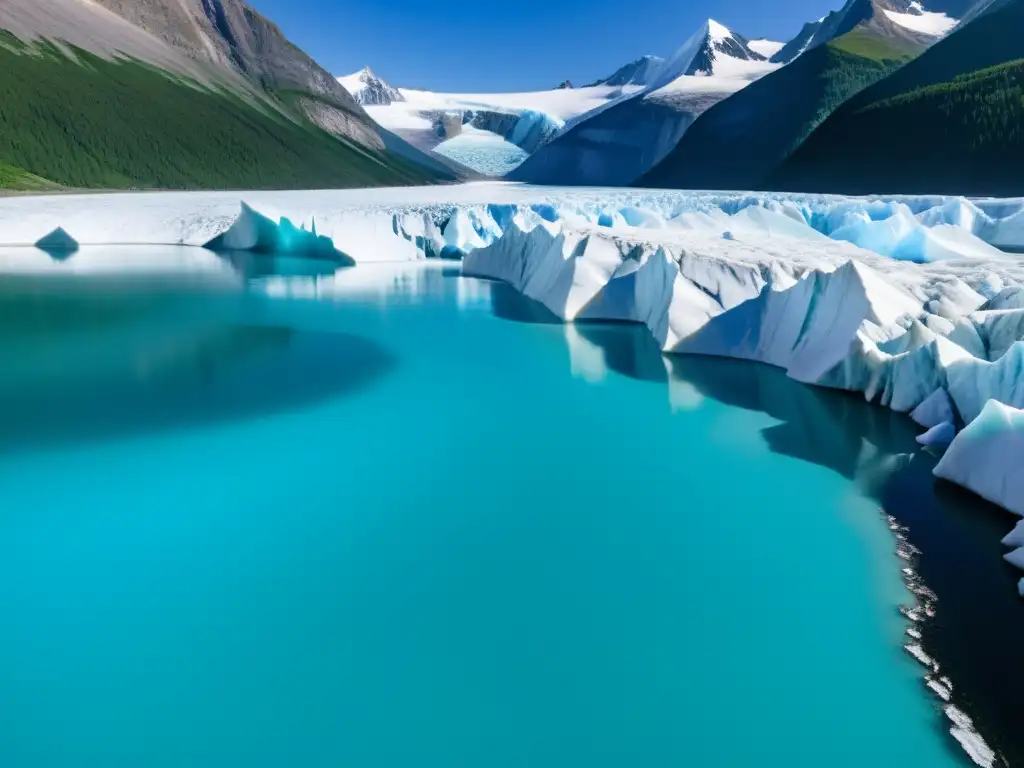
column 370, row 90
column 712, row 50
column 739, row 142
column 617, row 144
column 639, row 72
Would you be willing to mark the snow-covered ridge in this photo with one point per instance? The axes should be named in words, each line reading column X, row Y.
column 766, row 48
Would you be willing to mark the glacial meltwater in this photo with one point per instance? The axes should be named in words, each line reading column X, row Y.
column 396, row 518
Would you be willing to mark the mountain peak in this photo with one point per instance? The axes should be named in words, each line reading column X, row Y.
column 370, row 90
column 717, row 31
column 713, row 44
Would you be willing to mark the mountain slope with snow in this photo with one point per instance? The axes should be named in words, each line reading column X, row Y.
column 491, row 132
column 639, row 72
column 738, row 143
column 618, row 144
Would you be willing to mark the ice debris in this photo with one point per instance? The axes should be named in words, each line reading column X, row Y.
column 939, row 436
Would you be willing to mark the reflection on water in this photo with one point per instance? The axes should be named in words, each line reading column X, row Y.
column 976, row 633
column 95, row 360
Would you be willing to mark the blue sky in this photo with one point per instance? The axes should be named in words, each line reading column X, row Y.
column 483, row 45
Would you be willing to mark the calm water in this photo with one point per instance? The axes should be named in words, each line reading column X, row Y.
column 412, row 524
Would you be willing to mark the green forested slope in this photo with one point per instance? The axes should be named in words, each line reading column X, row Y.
column 736, row 143
column 949, row 122
column 83, row 121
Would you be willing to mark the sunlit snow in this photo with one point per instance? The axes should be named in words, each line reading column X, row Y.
column 925, row 22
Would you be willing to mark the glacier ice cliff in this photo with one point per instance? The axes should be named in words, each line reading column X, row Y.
column 916, row 302
column 916, row 338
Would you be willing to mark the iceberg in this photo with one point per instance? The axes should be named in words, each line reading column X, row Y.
column 1015, row 538
column 985, row 457
column 57, row 243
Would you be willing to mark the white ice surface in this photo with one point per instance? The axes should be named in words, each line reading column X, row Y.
column 755, row 277
column 483, row 151
column 356, row 217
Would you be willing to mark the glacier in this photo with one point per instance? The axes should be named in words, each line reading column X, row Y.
column 915, row 302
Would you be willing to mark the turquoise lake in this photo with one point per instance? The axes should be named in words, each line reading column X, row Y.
column 397, row 518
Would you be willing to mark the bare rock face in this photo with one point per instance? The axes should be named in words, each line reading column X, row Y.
column 229, row 33
column 223, row 41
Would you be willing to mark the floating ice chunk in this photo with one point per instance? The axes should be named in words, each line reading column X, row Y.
column 1015, row 538
column 964, row 732
column 939, row 436
column 936, row 409
column 1016, row 558
column 57, row 243
column 985, row 457
column 918, row 653
column 939, row 689
column 254, row 231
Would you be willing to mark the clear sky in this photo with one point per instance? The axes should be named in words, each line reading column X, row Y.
column 510, row 45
